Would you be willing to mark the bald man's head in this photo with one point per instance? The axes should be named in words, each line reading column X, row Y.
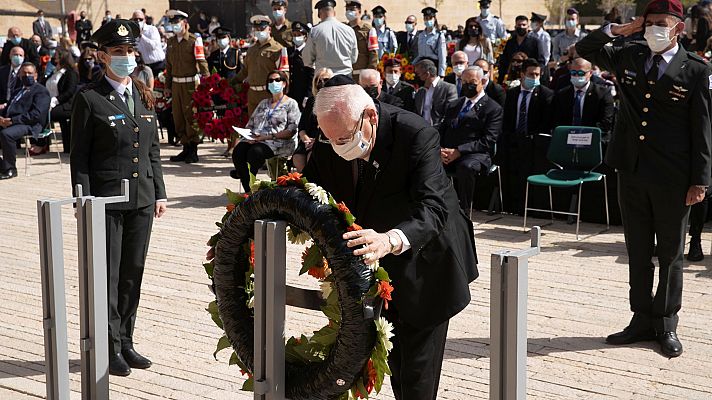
column 14, row 32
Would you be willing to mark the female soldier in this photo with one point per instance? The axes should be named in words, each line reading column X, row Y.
column 115, row 137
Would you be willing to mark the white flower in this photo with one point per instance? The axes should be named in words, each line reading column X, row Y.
column 318, row 193
column 385, row 332
column 251, row 302
column 162, row 77
column 326, row 289
column 255, row 185
column 300, row 238
column 374, row 267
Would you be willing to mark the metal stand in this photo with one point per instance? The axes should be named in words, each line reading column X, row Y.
column 94, row 346
column 508, row 321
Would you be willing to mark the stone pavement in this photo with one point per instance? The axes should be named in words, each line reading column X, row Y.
column 577, row 295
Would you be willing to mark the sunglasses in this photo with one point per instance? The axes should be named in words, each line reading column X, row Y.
column 578, row 73
column 136, row 19
column 274, row 80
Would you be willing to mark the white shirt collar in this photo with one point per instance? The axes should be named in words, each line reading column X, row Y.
column 302, row 46
column 224, row 51
column 477, row 98
column 668, row 55
column 583, row 89
column 435, row 82
column 119, row 87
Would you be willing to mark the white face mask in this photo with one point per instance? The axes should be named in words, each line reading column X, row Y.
column 485, row 12
column 535, row 26
column 141, row 24
column 658, row 38
column 392, row 79
column 298, row 40
column 223, row 42
column 459, row 69
column 357, row 147
column 262, row 36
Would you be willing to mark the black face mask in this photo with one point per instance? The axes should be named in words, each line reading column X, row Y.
column 521, row 31
column 28, row 80
column 473, row 32
column 372, row 91
column 469, row 90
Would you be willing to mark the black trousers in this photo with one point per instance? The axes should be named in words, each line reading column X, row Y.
column 61, row 113
column 466, row 169
column 649, row 211
column 127, row 236
column 698, row 216
column 255, row 155
column 8, row 140
column 416, row 359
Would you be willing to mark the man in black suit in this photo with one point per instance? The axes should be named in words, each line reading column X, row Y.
column 300, row 76
column 407, row 42
column 83, row 27
column 394, row 86
column 41, row 26
column 469, row 133
column 25, row 114
column 520, row 41
column 494, row 91
column 661, row 147
column 527, row 112
column 414, row 225
column 10, row 75
column 14, row 38
column 370, row 81
column 433, row 99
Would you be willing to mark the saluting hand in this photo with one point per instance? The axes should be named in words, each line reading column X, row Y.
column 161, row 207
column 629, row 28
column 377, row 245
column 695, row 195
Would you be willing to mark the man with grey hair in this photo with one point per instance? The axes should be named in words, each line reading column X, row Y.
column 459, row 61
column 384, row 163
column 331, row 44
column 469, row 133
column 370, row 81
column 14, row 38
column 149, row 44
column 433, row 99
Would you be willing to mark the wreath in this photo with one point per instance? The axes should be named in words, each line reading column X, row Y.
column 219, row 104
column 347, row 358
column 407, row 66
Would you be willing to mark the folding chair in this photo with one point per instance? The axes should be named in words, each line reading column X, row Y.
column 576, row 152
column 46, row 132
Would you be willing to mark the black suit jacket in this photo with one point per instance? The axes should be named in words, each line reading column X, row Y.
column 493, row 90
column 598, row 109
column 406, row 188
column 226, row 65
column 404, row 48
column 444, row 96
column 67, row 86
column 41, row 29
column 83, row 28
column 31, row 109
column 301, row 77
column 477, row 131
column 538, row 113
column 107, row 148
column 663, row 132
column 4, row 81
column 529, row 45
column 404, row 91
column 390, row 99
column 30, row 52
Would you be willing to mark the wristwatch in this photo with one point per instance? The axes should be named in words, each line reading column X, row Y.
column 393, row 241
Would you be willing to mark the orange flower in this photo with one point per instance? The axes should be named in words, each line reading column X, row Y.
column 384, row 291
column 343, row 208
column 319, row 272
column 290, row 177
column 252, row 254
column 354, row 227
column 230, row 207
column 370, row 374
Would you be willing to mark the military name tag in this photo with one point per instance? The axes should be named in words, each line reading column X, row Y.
column 147, row 117
column 116, row 117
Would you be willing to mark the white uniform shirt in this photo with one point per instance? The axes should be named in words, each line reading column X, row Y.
column 331, row 44
column 150, row 46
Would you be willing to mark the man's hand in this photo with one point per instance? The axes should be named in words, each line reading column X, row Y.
column 377, row 245
column 260, row 138
column 5, row 122
column 695, row 195
column 161, row 207
column 449, row 155
column 629, row 28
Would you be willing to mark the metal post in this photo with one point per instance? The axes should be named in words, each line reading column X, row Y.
column 260, row 291
column 508, row 321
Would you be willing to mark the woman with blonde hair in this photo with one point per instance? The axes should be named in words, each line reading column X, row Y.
column 308, row 125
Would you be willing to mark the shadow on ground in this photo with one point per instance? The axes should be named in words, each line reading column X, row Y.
column 17, row 368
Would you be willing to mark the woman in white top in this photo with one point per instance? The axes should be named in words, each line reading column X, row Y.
column 474, row 43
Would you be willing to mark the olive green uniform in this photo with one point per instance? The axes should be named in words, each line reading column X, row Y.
column 366, row 59
column 181, row 65
column 260, row 60
column 283, row 36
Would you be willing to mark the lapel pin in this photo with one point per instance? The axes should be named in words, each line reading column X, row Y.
column 111, row 97
column 112, row 123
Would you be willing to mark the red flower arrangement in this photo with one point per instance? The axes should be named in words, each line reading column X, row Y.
column 218, row 105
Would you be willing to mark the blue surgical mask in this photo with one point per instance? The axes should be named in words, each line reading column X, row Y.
column 531, row 83
column 16, row 40
column 351, row 15
column 579, row 81
column 277, row 14
column 51, row 52
column 378, row 22
column 298, row 40
column 177, row 28
column 275, row 87
column 123, row 66
column 485, row 12
column 17, row 60
column 409, row 28
column 570, row 23
column 429, row 23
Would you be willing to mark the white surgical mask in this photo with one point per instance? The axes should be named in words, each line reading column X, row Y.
column 177, row 28
column 298, row 40
column 278, row 14
column 356, row 148
column 409, row 28
column 392, row 79
column 351, row 15
column 459, row 69
column 262, row 36
column 429, row 23
column 658, row 38
column 141, row 24
column 570, row 24
column 223, row 42
column 485, row 12
column 378, row 22
column 579, row 81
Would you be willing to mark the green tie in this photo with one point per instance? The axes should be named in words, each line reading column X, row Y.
column 129, row 101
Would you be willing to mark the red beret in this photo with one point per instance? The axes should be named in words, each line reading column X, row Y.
column 671, row 7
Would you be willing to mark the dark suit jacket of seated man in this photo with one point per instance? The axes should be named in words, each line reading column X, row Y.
column 598, row 108
column 405, row 187
column 27, row 110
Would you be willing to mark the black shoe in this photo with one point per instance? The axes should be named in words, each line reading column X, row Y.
column 695, row 252
column 118, row 365
column 631, row 335
column 182, row 155
column 669, row 344
column 9, row 174
column 234, row 175
column 135, row 360
column 192, row 156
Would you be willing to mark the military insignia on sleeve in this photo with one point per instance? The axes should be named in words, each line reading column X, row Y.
column 122, row 31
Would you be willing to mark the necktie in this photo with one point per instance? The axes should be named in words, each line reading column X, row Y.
column 459, row 86
column 129, row 101
column 11, row 84
column 577, row 108
column 522, row 120
column 463, row 112
column 653, row 73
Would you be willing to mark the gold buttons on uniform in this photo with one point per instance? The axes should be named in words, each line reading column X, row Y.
column 647, row 95
column 136, row 129
column 135, row 145
column 135, row 174
column 645, row 109
column 641, row 137
column 135, row 160
column 644, row 123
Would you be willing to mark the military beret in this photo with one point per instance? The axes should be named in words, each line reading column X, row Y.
column 300, row 27
column 117, row 32
column 324, row 3
column 571, row 11
column 429, row 11
column 284, row 3
column 378, row 10
column 538, row 17
column 176, row 15
column 339, row 80
column 222, row 31
column 260, row 21
column 671, row 7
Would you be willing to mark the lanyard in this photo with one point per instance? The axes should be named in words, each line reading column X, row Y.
column 268, row 116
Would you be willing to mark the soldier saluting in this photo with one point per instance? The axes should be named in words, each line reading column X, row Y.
column 661, row 149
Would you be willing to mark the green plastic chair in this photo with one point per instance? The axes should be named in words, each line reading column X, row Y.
column 576, row 152
column 46, row 132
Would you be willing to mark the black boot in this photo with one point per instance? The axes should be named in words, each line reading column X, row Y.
column 192, row 156
column 695, row 253
column 182, row 155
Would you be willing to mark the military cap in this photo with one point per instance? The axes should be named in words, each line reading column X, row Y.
column 671, row 7
column 485, row 3
column 339, row 80
column 88, row 44
column 538, row 17
column 117, row 32
column 284, row 3
column 176, row 15
column 391, row 62
column 222, row 31
column 572, row 11
column 378, row 10
column 429, row 12
column 300, row 27
column 324, row 3
column 352, row 3
column 260, row 21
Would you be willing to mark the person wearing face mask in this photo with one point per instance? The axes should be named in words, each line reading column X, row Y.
column 300, row 76
column 25, row 114
column 543, row 39
column 569, row 36
column 474, row 43
column 62, row 85
column 202, row 24
column 41, row 27
column 115, row 137
column 370, row 81
column 182, row 69
column 384, row 163
column 333, row 44
column 661, row 147
column 367, row 53
column 492, row 25
column 281, row 27
column 469, row 133
column 433, row 98
column 520, row 42
column 387, row 42
column 83, row 27
column 527, row 114
column 149, row 44
column 274, row 130
column 431, row 42
column 14, row 38
column 10, row 75
column 494, row 91
column 460, row 62
column 224, row 59
column 407, row 45
column 394, row 86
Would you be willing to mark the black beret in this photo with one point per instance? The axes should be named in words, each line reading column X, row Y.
column 117, row 32
column 429, row 11
column 300, row 27
column 325, row 3
column 339, row 80
column 378, row 10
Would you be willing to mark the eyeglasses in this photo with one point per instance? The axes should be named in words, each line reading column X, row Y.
column 274, row 80
column 578, row 73
column 341, row 141
column 137, row 19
